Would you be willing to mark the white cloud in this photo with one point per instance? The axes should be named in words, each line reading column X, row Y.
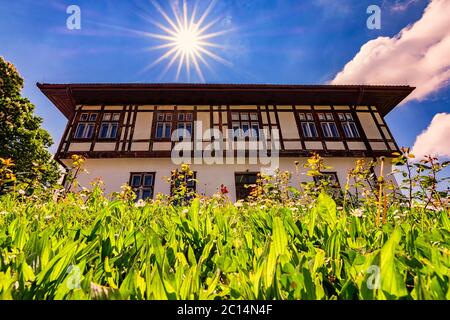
column 435, row 140
column 419, row 55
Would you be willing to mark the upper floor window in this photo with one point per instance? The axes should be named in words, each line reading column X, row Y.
column 245, row 124
column 164, row 125
column 328, row 125
column 348, row 125
column 308, row 126
column 166, row 122
column 109, row 126
column 184, row 125
column 143, row 184
column 86, row 126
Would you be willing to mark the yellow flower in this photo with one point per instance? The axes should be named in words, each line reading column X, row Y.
column 77, row 160
column 7, row 162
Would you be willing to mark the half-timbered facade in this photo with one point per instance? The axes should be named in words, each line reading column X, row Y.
column 126, row 131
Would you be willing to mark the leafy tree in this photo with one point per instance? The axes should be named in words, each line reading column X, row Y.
column 21, row 137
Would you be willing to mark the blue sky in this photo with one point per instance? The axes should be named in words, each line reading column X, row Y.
column 271, row 41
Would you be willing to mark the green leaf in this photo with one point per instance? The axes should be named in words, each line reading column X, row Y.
column 392, row 282
column 319, row 259
column 279, row 238
column 157, row 286
column 327, row 209
column 195, row 208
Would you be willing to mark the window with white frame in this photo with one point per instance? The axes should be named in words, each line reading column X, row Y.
column 142, row 184
column 163, row 125
column 348, row 125
column 308, row 125
column 166, row 122
column 86, row 126
column 245, row 124
column 328, row 125
column 184, row 125
column 109, row 126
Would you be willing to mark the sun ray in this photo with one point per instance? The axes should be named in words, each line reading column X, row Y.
column 205, row 14
column 162, row 46
column 188, row 65
column 185, row 15
column 170, row 64
column 164, row 28
column 164, row 14
column 197, row 67
column 138, row 32
column 193, row 15
column 200, row 57
column 215, row 56
column 163, row 57
column 213, row 35
column 180, row 65
column 207, row 26
column 188, row 34
column 205, row 63
column 211, row 44
column 176, row 13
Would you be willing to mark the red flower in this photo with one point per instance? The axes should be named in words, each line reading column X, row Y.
column 223, row 189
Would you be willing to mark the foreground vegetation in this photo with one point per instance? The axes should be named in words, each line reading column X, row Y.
column 116, row 249
column 281, row 245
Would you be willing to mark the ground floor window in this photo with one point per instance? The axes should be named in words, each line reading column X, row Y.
column 179, row 178
column 143, row 184
column 243, row 182
column 330, row 177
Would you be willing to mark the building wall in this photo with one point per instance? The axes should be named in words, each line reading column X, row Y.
column 137, row 124
column 116, row 172
column 135, row 150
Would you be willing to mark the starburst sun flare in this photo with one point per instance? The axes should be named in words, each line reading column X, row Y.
column 187, row 39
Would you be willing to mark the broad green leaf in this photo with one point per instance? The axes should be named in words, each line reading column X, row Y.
column 392, row 282
column 327, row 209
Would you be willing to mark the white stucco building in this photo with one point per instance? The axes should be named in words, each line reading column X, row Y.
column 126, row 131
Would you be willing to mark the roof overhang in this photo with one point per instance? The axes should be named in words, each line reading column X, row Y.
column 66, row 96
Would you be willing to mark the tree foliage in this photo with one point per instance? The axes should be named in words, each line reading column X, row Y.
column 21, row 136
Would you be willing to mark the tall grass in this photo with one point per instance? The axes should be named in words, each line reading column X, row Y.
column 86, row 247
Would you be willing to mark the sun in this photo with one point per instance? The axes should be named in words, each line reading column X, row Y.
column 188, row 39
